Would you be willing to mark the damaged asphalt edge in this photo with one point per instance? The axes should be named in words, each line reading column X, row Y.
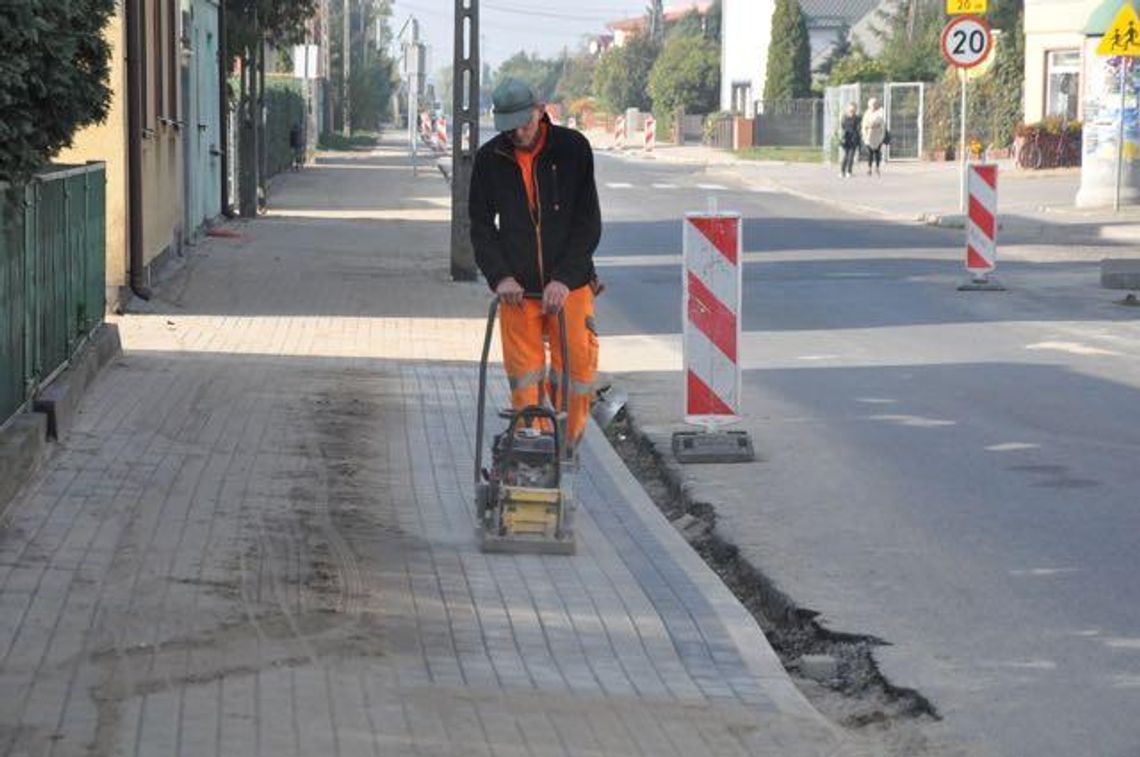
column 841, row 662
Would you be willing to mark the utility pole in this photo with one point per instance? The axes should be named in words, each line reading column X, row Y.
column 465, row 117
column 412, row 63
column 346, row 66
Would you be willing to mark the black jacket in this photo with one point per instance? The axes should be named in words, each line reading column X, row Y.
column 568, row 221
column 852, row 131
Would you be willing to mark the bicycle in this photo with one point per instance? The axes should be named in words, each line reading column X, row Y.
column 1065, row 150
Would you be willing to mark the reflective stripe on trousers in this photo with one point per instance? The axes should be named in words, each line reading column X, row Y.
column 522, row 328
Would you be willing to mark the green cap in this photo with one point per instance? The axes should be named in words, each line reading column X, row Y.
column 512, row 101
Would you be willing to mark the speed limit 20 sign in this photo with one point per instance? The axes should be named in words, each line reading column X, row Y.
column 967, row 41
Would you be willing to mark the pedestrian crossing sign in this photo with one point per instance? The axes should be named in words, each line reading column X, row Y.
column 966, row 7
column 1123, row 36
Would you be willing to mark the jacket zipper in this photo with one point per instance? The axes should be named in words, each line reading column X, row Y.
column 535, row 218
column 538, row 220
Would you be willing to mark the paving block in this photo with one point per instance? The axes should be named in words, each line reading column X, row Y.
column 23, row 441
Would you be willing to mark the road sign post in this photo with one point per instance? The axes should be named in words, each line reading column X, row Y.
column 967, row 41
column 1121, row 40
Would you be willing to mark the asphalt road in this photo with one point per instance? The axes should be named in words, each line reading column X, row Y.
column 953, row 473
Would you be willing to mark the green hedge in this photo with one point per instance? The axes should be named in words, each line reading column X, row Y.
column 284, row 107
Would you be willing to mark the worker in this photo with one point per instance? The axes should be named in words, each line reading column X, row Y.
column 535, row 223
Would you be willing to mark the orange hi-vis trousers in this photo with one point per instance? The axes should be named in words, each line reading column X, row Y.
column 524, row 355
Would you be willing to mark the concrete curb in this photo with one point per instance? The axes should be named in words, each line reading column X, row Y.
column 61, row 398
column 24, row 441
column 750, row 641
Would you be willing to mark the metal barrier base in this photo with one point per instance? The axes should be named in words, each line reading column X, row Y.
column 713, row 447
column 982, row 285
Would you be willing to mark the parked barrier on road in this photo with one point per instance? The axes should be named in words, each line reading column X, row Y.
column 619, row 133
column 650, row 133
column 981, row 225
column 711, row 248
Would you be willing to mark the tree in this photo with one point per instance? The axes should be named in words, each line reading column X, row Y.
column 692, row 24
column 686, row 74
column 789, row 54
column 577, row 79
column 539, row 73
column 621, row 79
column 854, row 67
column 712, row 20
column 372, row 73
column 655, row 16
column 53, row 78
column 276, row 22
column 912, row 41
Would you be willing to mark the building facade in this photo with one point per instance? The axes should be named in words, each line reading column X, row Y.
column 1054, row 62
column 202, row 125
column 746, row 32
column 180, row 134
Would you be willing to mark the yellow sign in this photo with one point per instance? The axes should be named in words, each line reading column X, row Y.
column 1123, row 37
column 963, row 7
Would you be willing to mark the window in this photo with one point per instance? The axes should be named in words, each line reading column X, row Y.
column 1063, row 83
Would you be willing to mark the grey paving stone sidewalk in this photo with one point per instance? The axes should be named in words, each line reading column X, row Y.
column 259, row 538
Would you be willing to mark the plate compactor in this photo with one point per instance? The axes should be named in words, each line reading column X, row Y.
column 525, row 499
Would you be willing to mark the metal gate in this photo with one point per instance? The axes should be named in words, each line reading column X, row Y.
column 904, row 103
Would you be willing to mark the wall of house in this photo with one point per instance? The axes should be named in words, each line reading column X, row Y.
column 202, row 135
column 1050, row 25
column 162, row 163
column 162, row 152
column 746, row 31
column 107, row 142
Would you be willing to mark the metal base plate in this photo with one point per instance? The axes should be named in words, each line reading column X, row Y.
column 713, row 447
column 982, row 285
column 522, row 545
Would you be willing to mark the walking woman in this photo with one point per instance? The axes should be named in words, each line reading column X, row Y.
column 852, row 139
column 874, row 134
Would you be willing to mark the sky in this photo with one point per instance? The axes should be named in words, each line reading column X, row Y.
column 508, row 26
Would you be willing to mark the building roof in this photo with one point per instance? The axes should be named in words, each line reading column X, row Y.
column 672, row 14
column 837, row 12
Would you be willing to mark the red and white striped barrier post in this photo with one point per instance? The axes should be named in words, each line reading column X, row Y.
column 441, row 133
column 619, row 133
column 712, row 250
column 650, row 133
column 981, row 227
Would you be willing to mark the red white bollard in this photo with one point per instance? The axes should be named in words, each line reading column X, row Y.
column 619, row 133
column 981, row 227
column 712, row 248
column 650, row 133
column 441, row 133
column 712, row 252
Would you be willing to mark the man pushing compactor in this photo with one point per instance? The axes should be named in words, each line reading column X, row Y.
column 535, row 223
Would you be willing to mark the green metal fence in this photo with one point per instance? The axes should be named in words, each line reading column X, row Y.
column 52, row 275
